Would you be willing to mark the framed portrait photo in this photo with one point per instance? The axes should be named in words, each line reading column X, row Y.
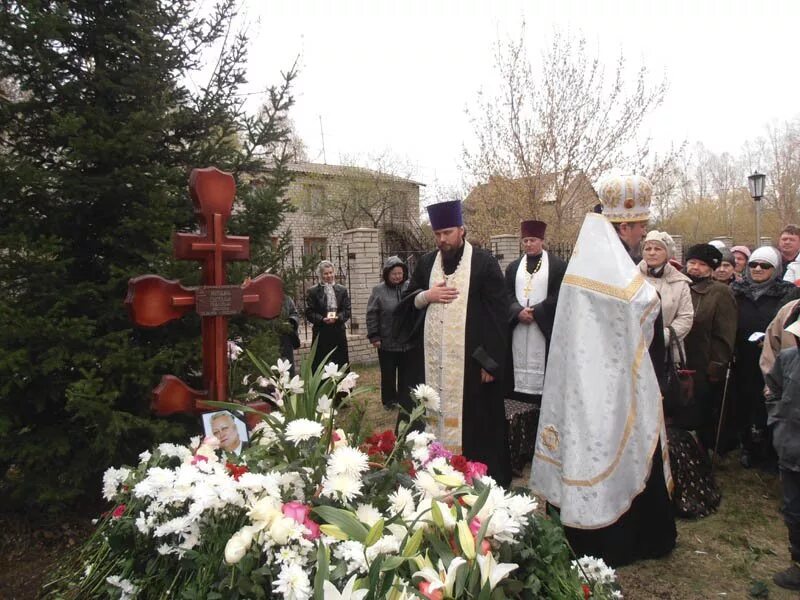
column 229, row 428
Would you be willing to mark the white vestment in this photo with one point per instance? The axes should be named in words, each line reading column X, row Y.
column 445, row 332
column 601, row 417
column 528, row 343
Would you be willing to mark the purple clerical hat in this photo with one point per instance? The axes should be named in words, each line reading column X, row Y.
column 445, row 215
column 532, row 229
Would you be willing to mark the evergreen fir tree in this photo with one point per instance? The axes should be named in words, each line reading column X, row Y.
column 96, row 145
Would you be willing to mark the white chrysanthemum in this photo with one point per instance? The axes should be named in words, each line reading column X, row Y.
column 127, row 589
column 301, row 430
column 388, row 544
column 341, row 486
column 593, row 570
column 520, row 505
column 429, row 487
column 503, row 527
column 420, row 439
column 293, row 583
column 331, row 371
column 181, row 452
column 427, row 395
column 157, row 479
column 112, row 479
column 347, row 384
column 368, row 514
column 420, row 455
column 346, row 460
column 352, row 553
column 402, row 502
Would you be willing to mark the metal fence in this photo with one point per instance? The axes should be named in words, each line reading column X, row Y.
column 298, row 264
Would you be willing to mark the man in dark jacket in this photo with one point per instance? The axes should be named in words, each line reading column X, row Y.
column 532, row 285
column 392, row 353
column 783, row 408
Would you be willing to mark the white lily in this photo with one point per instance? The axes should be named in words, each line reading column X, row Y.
column 324, row 404
column 444, row 579
column 295, row 386
column 492, row 571
column 331, row 593
column 331, row 371
column 282, row 367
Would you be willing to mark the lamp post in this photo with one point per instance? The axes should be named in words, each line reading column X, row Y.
column 756, row 184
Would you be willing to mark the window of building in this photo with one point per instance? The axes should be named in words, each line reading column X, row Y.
column 316, row 246
column 315, row 197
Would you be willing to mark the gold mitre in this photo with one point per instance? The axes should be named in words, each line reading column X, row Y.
column 625, row 198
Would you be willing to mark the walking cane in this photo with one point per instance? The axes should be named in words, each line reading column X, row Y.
column 715, row 456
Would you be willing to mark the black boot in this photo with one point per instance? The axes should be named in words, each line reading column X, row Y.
column 788, row 579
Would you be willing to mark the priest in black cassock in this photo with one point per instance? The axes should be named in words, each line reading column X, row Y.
column 455, row 310
column 532, row 285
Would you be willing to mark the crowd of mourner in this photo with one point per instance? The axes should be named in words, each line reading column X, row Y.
column 643, row 369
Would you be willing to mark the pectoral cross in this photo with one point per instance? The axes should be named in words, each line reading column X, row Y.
column 153, row 300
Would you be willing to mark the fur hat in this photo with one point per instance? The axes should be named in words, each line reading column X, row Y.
column 705, row 253
column 663, row 238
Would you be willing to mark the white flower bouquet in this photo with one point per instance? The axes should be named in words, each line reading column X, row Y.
column 313, row 510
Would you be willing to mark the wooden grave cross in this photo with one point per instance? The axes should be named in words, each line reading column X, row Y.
column 153, row 300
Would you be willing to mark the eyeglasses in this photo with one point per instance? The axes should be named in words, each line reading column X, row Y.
column 765, row 266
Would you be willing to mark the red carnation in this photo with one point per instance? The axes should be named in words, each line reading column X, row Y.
column 236, row 471
column 587, row 592
column 119, row 511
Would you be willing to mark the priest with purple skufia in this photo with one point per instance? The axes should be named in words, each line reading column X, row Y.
column 455, row 311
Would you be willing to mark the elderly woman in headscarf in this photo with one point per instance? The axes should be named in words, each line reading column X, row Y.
column 741, row 254
column 672, row 287
column 328, row 309
column 758, row 296
column 695, row 493
column 726, row 271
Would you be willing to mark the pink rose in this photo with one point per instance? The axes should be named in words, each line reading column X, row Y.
column 476, row 469
column 313, row 530
column 297, row 511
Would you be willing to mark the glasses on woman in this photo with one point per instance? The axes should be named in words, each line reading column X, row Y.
column 760, row 265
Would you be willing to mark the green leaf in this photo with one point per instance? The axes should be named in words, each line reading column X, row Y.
column 413, row 543
column 344, row 520
column 392, row 563
column 375, row 533
column 476, row 508
column 322, row 571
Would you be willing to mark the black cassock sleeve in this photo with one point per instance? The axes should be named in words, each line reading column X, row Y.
column 492, row 314
column 408, row 324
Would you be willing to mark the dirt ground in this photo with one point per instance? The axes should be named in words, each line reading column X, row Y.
column 729, row 555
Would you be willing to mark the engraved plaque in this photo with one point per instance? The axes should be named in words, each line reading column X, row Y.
column 212, row 301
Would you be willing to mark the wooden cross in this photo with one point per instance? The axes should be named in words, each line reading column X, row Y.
column 153, row 300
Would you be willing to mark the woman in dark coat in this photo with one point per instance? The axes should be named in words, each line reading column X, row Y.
column 759, row 296
column 328, row 309
column 709, row 345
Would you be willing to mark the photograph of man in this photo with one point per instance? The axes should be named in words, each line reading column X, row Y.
column 230, row 431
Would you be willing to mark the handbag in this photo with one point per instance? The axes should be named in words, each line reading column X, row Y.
column 679, row 388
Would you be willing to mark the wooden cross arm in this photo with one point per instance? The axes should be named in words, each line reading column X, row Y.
column 172, row 396
column 152, row 300
column 263, row 296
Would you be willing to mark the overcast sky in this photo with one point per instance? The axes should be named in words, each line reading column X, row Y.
column 398, row 75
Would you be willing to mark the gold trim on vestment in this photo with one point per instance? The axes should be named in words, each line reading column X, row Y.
column 626, row 293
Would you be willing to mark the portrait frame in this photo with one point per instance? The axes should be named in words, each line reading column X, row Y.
column 238, row 421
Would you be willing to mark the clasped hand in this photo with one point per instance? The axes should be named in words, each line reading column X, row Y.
column 441, row 293
column 526, row 316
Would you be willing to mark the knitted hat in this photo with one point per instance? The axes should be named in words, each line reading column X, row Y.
column 766, row 254
column 663, row 238
column 727, row 256
column 705, row 253
column 743, row 249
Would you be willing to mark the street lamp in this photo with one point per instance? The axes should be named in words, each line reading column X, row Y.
column 756, row 184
